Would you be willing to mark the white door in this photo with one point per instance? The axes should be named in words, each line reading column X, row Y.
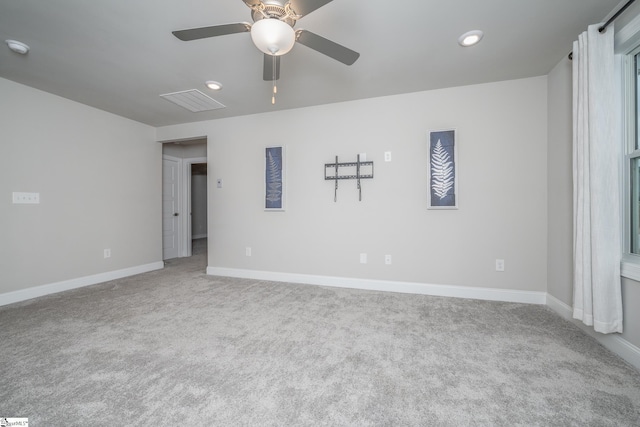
column 170, row 207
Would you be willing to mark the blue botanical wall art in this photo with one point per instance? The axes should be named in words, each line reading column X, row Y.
column 443, row 171
column 274, row 178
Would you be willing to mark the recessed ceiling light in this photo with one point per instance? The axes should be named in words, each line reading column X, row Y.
column 17, row 46
column 213, row 85
column 470, row 38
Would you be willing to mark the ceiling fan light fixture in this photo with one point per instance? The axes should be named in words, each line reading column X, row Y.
column 273, row 36
column 470, row 38
column 213, row 85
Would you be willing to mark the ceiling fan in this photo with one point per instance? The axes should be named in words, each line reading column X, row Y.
column 272, row 32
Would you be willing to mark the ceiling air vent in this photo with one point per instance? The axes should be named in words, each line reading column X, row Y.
column 193, row 100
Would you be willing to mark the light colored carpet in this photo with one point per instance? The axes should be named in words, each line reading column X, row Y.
column 177, row 347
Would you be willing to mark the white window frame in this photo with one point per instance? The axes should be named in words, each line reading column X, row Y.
column 627, row 42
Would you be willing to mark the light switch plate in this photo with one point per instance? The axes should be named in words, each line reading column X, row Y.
column 26, row 198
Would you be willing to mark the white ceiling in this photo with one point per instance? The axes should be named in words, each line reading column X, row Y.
column 120, row 55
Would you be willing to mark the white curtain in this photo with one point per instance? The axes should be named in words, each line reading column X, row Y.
column 597, row 298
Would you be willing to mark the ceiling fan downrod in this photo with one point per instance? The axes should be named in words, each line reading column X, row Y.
column 275, row 88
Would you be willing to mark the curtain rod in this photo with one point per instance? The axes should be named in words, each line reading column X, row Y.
column 613, row 18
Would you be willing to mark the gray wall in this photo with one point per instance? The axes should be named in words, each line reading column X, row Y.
column 502, row 134
column 560, row 184
column 98, row 176
column 560, row 204
column 186, row 150
column 630, row 304
column 198, row 205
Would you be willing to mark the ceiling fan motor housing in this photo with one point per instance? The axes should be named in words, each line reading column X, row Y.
column 274, row 9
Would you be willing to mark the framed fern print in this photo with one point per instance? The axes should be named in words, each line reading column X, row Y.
column 443, row 170
column 274, row 175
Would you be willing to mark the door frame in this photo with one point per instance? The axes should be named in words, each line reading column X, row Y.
column 186, row 202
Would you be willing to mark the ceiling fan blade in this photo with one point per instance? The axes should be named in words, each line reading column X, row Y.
column 327, row 47
column 305, row 7
column 267, row 72
column 216, row 30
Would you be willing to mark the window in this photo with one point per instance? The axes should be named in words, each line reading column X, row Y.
column 627, row 48
column 633, row 161
column 631, row 179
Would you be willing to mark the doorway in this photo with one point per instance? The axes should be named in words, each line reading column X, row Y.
column 196, row 191
column 185, row 194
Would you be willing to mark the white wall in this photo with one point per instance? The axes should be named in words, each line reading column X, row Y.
column 502, row 133
column 98, row 176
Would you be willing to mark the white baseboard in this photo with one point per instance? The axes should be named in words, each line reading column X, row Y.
column 199, row 236
column 613, row 342
column 490, row 294
column 52, row 288
column 559, row 307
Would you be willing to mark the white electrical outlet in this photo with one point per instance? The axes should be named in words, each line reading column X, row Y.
column 363, row 258
column 387, row 259
column 107, row 253
column 247, row 251
column 387, row 156
column 499, row 265
column 219, row 182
